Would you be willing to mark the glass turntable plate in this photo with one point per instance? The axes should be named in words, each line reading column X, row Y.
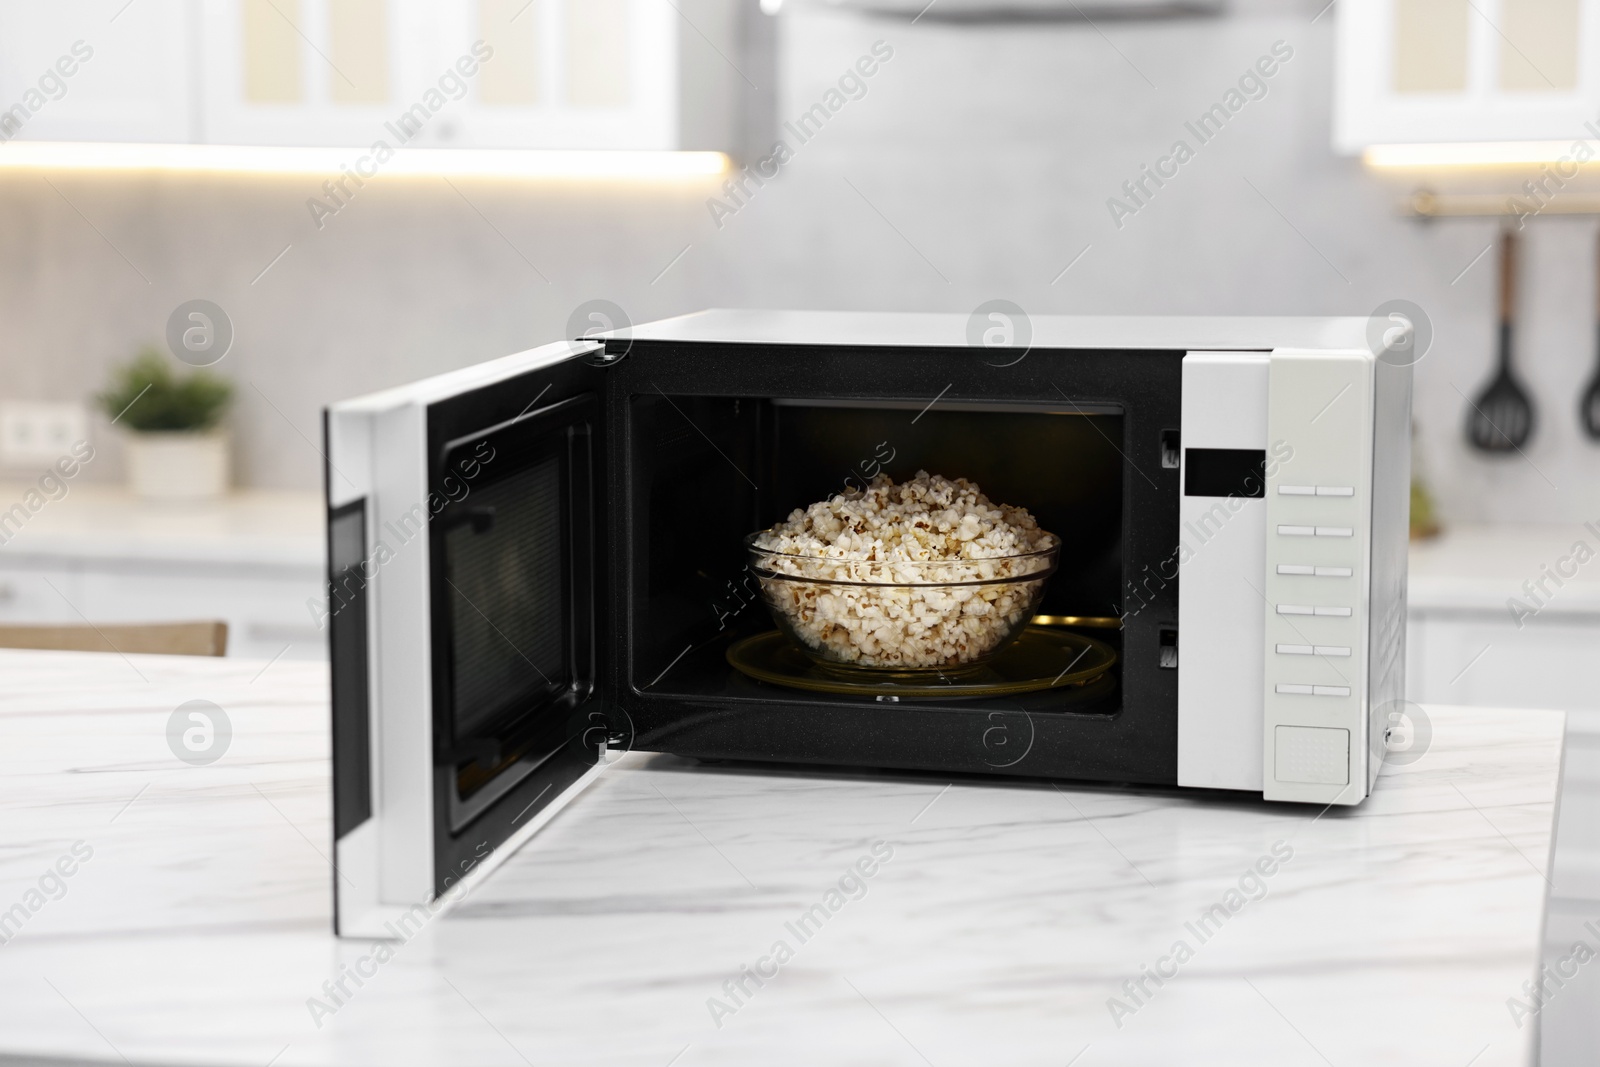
column 1041, row 657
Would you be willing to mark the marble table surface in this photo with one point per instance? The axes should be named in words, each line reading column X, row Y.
column 999, row 923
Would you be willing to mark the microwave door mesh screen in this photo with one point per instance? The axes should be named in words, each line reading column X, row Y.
column 508, row 606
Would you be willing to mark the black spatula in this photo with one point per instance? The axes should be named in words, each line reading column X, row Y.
column 1589, row 403
column 1501, row 419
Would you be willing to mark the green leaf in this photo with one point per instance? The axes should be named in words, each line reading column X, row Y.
column 149, row 396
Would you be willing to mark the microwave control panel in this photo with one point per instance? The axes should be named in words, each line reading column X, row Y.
column 1319, row 495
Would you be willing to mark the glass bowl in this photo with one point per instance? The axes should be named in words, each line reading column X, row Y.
column 943, row 617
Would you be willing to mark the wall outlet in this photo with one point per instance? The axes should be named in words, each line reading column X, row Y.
column 34, row 433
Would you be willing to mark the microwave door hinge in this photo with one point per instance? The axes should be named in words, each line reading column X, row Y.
column 608, row 354
column 615, row 738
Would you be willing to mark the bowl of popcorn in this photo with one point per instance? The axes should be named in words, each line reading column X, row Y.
column 926, row 576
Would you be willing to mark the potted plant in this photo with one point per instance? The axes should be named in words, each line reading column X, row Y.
column 176, row 447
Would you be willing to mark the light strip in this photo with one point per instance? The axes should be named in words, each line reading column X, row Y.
column 558, row 164
column 1469, row 154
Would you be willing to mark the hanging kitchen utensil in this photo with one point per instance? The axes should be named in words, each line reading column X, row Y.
column 1589, row 403
column 1501, row 419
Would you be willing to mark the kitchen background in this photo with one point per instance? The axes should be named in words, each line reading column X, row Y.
column 975, row 163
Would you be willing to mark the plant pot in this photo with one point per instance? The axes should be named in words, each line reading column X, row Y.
column 178, row 465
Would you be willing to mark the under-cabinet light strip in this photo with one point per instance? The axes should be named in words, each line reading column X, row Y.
column 559, row 164
column 1469, row 154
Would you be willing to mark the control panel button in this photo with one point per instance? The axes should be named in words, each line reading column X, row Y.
column 1330, row 690
column 1297, row 531
column 1324, row 610
column 1316, row 490
column 1334, row 531
column 1315, row 755
column 1295, row 650
column 1308, row 570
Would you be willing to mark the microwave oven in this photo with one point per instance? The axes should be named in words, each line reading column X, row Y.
column 538, row 561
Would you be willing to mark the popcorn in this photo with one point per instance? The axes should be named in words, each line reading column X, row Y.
column 905, row 577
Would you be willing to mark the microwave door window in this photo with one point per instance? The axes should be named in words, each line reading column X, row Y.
column 506, row 565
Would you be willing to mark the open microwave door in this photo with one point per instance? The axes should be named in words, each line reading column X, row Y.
column 467, row 684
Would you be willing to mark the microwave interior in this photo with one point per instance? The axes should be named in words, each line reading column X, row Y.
column 594, row 578
column 708, row 471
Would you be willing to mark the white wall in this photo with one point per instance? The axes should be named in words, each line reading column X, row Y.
column 991, row 150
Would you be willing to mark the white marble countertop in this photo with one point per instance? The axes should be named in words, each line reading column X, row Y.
column 108, row 524
column 1478, row 568
column 1007, row 917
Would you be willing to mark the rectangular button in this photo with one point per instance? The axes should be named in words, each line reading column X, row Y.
column 1294, row 609
column 1336, row 490
column 1314, row 755
column 1330, row 690
column 1297, row 490
column 1341, row 612
column 1294, row 690
column 1295, row 568
column 1297, row 531
column 1332, row 650
column 1333, row 572
column 1295, row 650
column 1333, row 531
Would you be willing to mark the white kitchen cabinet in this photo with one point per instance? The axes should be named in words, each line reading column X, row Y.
column 482, row 74
column 1425, row 71
column 1464, row 645
column 507, row 74
column 98, row 555
column 265, row 610
column 39, row 593
column 576, row 73
column 132, row 71
column 1482, row 659
column 313, row 72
